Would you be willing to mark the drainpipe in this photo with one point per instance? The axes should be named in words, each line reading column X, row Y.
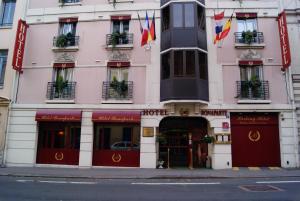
column 294, row 115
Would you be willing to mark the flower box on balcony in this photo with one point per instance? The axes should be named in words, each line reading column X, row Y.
column 249, row 39
column 67, row 42
column 69, row 2
column 118, row 40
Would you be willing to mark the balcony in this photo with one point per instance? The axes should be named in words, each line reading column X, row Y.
column 119, row 40
column 65, row 43
column 117, row 91
column 249, row 39
column 163, row 2
column 69, row 2
column 253, row 91
column 61, row 92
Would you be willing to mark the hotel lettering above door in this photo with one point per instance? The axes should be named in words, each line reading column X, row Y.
column 255, row 139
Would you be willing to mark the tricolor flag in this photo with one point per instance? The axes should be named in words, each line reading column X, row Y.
column 146, row 31
column 152, row 28
column 219, row 25
column 226, row 28
column 222, row 32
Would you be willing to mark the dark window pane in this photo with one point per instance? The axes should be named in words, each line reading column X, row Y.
column 127, row 134
column 3, row 59
column 165, row 18
column 59, row 139
column 7, row 13
column 189, row 15
column 75, row 138
column 178, row 63
column 190, row 63
column 177, row 15
column 203, row 65
column 166, row 66
column 201, row 17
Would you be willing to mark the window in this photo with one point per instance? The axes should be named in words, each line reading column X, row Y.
column 118, row 74
column 183, row 15
column 249, row 73
column 202, row 57
column 166, row 18
column 177, row 15
column 3, row 59
column 120, row 26
column 201, row 18
column 67, row 28
column 66, row 74
column 178, row 63
column 116, row 137
column 166, row 66
column 189, row 15
column 247, row 24
column 190, row 63
column 7, row 12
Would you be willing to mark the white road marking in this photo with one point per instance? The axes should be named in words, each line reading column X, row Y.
column 23, row 181
column 54, row 182
column 82, row 182
column 276, row 182
column 57, row 182
column 213, row 183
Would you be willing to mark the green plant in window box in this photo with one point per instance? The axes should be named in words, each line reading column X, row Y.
column 115, row 39
column 208, row 139
column 60, row 85
column 247, row 37
column 61, row 41
column 121, row 87
column 256, row 86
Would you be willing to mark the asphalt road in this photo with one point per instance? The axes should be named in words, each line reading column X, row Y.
column 39, row 189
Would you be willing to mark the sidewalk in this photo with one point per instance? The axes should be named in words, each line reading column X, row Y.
column 138, row 173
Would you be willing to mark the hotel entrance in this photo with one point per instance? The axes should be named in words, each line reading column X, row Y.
column 181, row 142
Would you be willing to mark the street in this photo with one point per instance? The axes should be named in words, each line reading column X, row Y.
column 59, row 189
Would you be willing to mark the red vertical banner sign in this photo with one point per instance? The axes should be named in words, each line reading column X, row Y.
column 284, row 41
column 19, row 46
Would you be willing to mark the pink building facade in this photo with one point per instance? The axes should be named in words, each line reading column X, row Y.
column 91, row 96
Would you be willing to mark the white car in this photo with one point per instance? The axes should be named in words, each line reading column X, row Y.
column 124, row 145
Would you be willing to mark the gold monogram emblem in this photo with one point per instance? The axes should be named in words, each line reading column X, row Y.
column 116, row 158
column 59, row 156
column 254, row 136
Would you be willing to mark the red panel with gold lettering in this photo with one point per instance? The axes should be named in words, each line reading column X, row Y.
column 255, row 139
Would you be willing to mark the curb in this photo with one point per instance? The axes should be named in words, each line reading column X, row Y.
column 151, row 177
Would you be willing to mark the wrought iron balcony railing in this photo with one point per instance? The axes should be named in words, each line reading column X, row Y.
column 69, row 1
column 258, row 90
column 122, row 90
column 63, row 41
column 65, row 91
column 119, row 39
column 253, row 37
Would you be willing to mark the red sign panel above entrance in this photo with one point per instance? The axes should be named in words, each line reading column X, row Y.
column 58, row 115
column 254, row 118
column 117, row 117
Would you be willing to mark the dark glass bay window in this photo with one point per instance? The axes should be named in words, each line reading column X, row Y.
column 184, row 63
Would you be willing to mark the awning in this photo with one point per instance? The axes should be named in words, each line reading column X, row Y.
column 120, row 17
column 118, row 64
column 68, row 20
column 117, row 117
column 243, row 16
column 250, row 62
column 58, row 115
column 63, row 65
